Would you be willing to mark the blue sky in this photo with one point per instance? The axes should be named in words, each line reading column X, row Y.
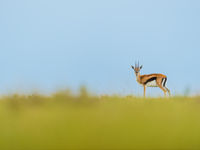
column 52, row 44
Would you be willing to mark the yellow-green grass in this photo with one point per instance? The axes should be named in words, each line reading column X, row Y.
column 63, row 121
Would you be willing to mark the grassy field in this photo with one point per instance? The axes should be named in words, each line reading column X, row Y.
column 63, row 121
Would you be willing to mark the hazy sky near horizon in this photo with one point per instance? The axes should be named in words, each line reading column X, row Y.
column 53, row 44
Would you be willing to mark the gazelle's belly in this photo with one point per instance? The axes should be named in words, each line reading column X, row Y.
column 152, row 84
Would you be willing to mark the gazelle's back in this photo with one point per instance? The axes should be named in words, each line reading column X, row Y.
column 153, row 75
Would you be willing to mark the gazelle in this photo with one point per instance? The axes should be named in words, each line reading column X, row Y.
column 151, row 80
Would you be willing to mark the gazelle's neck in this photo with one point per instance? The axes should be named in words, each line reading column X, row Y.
column 138, row 77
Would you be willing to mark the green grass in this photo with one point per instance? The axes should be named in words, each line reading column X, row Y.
column 63, row 121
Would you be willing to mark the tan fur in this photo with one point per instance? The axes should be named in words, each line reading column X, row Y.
column 144, row 78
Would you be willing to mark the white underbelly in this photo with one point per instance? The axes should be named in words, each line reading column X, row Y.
column 152, row 84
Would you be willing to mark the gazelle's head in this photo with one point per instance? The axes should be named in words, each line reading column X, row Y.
column 137, row 68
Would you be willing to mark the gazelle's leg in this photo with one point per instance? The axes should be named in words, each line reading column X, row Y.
column 168, row 91
column 144, row 91
column 162, row 88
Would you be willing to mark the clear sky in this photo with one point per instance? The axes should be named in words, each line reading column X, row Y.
column 52, row 44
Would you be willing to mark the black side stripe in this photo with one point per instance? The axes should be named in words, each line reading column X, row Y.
column 149, row 80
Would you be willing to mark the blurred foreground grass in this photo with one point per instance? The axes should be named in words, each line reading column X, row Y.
column 63, row 121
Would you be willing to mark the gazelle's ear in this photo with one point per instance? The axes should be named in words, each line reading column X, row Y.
column 132, row 67
column 141, row 67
